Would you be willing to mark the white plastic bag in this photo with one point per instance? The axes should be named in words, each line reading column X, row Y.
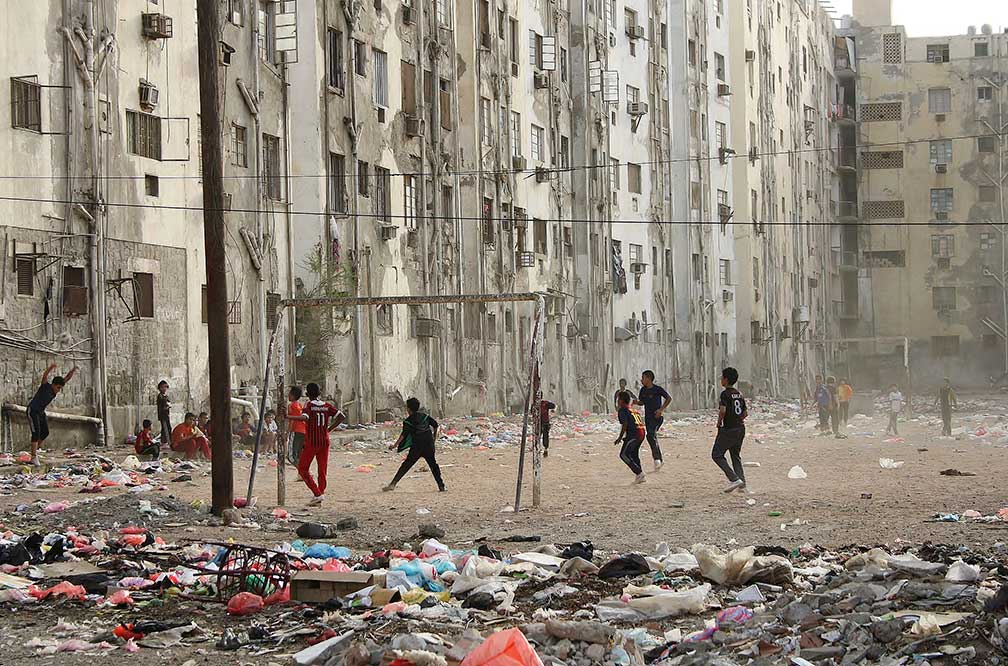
column 797, row 472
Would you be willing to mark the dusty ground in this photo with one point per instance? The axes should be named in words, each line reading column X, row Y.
column 586, row 494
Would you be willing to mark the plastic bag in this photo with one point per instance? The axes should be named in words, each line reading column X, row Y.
column 120, row 598
column 130, row 463
column 889, row 463
column 660, row 604
column 63, row 589
column 56, row 507
column 432, row 547
column 797, row 472
column 960, row 572
column 505, row 648
column 244, row 603
column 325, row 551
column 281, row 596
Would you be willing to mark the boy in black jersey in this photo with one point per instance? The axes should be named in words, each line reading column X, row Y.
column 731, row 431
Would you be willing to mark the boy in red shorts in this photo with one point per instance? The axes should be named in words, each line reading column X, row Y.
column 317, row 416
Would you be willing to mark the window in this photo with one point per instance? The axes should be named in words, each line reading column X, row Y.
column 407, row 87
column 334, row 59
column 360, row 58
column 941, row 199
column 25, row 269
column 939, row 100
column 540, row 242
column 943, row 246
column 486, row 129
column 266, row 23
column 363, row 176
column 563, row 64
column 633, row 94
column 945, row 345
column 204, row 310
column 516, row 134
column 444, row 12
column 152, row 185
column 981, row 49
column 239, row 145
column 410, row 201
column 564, row 152
column 986, row 144
column 986, row 240
column 719, row 66
column 382, row 201
column 75, row 292
column 445, row 104
column 535, row 49
column 943, row 298
column 143, row 283
column 881, row 112
column 634, row 177
column 941, row 152
column 614, row 173
column 882, row 159
column 985, row 93
column 337, row 183
column 937, row 52
column 26, row 103
column 725, row 271
column 635, row 253
column 143, row 134
column 271, row 167
column 691, row 53
column 988, row 193
column 379, row 94
column 720, row 135
column 514, row 44
column 538, row 143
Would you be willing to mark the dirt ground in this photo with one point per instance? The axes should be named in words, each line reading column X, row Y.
column 587, row 494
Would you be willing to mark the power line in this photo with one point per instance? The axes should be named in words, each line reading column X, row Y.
column 730, row 154
column 470, row 218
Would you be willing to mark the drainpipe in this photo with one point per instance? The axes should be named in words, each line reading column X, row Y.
column 99, row 425
column 456, row 205
column 355, row 204
column 257, row 121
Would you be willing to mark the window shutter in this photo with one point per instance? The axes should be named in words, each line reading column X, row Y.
column 409, row 88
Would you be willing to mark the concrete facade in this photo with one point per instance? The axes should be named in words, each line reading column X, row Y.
column 928, row 183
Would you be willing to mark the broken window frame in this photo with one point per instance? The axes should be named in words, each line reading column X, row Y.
column 26, row 103
column 239, row 145
column 75, row 291
column 382, row 198
column 143, row 289
column 272, row 170
column 335, row 74
column 144, row 134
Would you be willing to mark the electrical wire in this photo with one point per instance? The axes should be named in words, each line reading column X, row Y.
column 470, row 218
column 729, row 155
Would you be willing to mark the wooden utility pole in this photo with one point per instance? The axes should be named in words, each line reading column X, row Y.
column 219, row 348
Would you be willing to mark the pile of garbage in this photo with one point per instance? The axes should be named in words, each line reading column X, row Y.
column 312, row 602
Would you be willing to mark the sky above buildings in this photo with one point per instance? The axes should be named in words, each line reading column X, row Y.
column 923, row 18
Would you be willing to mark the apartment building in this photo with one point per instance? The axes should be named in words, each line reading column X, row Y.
column 103, row 236
column 922, row 170
column 782, row 142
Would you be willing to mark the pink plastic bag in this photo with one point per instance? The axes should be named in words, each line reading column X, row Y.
column 278, row 597
column 505, row 648
column 63, row 589
column 120, row 598
column 244, row 603
column 335, row 565
column 56, row 507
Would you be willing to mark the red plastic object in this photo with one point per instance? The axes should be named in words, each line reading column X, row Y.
column 120, row 598
column 505, row 648
column 278, row 597
column 244, row 603
column 63, row 589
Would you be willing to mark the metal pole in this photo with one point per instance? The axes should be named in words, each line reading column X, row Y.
column 281, row 401
column 219, row 350
column 262, row 407
column 537, row 354
column 529, row 392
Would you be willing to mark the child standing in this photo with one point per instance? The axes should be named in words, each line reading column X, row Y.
column 844, row 394
column 418, row 434
column 38, row 422
column 297, row 424
column 545, row 408
column 164, row 411
column 822, row 399
column 732, row 413
column 145, row 444
column 318, row 414
column 946, row 400
column 632, row 433
column 269, row 435
column 895, row 400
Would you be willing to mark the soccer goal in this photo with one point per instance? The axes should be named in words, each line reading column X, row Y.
column 533, row 389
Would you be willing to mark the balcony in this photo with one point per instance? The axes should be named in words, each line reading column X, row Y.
column 846, row 210
column 844, row 113
column 845, row 309
column 847, row 159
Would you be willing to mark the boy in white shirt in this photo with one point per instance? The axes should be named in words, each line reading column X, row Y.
column 895, row 400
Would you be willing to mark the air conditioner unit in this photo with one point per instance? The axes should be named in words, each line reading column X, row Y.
column 724, row 211
column 485, row 40
column 750, row 55
column 149, row 95
column 514, row 69
column 156, row 26
column 387, row 232
column 941, row 216
column 637, row 108
column 944, row 263
column 225, row 53
column 540, row 80
column 941, row 168
column 612, row 40
column 638, row 268
column 542, row 175
column 407, row 15
column 518, row 162
column 412, row 126
column 727, row 296
column 723, row 90
column 423, row 327
column 525, row 259
column 939, row 117
column 635, row 31
column 808, row 194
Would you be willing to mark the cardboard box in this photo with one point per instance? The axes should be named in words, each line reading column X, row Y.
column 321, row 586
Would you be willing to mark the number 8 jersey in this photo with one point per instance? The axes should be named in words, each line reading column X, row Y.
column 319, row 412
column 735, row 408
